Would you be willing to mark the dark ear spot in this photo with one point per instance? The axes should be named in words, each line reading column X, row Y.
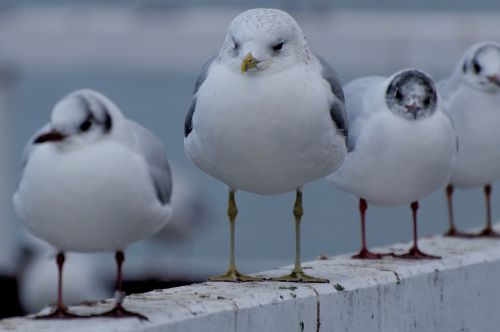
column 188, row 123
column 108, row 122
column 464, row 67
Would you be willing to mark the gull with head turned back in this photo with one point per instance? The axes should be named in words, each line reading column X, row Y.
column 402, row 146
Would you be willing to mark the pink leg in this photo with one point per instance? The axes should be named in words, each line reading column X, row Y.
column 453, row 232
column 488, row 231
column 61, row 312
column 118, row 310
column 415, row 252
column 364, row 253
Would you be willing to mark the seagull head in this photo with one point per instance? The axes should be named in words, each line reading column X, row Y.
column 81, row 117
column 263, row 41
column 411, row 94
column 482, row 68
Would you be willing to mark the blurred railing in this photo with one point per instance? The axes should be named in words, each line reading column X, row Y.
column 181, row 38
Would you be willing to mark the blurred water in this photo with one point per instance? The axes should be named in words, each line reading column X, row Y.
column 265, row 225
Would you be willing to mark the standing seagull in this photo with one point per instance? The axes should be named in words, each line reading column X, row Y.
column 267, row 116
column 402, row 145
column 93, row 181
column 472, row 98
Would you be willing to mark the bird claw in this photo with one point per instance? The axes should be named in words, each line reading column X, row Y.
column 120, row 312
column 60, row 313
column 235, row 276
column 299, row 276
column 452, row 232
column 366, row 254
column 488, row 232
column 415, row 253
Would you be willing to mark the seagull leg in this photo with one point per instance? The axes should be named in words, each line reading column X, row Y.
column 118, row 310
column 297, row 274
column 232, row 274
column 415, row 252
column 488, row 231
column 364, row 253
column 452, row 231
column 60, row 312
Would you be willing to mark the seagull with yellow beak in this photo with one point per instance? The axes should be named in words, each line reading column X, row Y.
column 267, row 116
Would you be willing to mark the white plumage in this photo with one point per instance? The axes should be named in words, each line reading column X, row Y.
column 267, row 115
column 393, row 160
column 402, row 145
column 93, row 181
column 94, row 193
column 473, row 103
column 472, row 98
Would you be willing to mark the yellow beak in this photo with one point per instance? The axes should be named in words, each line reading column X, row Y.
column 248, row 62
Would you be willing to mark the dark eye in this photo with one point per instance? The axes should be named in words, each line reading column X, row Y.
column 427, row 101
column 278, row 47
column 86, row 125
column 477, row 67
column 399, row 96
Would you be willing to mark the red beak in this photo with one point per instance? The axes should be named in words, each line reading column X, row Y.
column 51, row 136
column 413, row 109
column 495, row 79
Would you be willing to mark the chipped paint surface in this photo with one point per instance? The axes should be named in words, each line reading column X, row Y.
column 461, row 292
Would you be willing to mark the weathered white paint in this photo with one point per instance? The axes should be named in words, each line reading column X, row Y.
column 460, row 292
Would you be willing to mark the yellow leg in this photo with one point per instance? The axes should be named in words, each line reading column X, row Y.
column 297, row 274
column 232, row 274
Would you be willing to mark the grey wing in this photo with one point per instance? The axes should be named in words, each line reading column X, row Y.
column 154, row 153
column 443, row 87
column 457, row 141
column 188, row 123
column 357, row 113
column 30, row 146
column 337, row 109
column 331, row 76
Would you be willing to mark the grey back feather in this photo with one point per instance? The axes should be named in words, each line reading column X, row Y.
column 357, row 113
column 337, row 108
column 188, row 123
column 331, row 76
column 153, row 152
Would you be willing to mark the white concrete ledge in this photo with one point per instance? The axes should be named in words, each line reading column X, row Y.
column 460, row 292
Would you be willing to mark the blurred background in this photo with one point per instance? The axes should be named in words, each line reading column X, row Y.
column 146, row 55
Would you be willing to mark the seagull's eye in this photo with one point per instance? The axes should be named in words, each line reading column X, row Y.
column 278, row 47
column 427, row 101
column 85, row 126
column 399, row 96
column 477, row 67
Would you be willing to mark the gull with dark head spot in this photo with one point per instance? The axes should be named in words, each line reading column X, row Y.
column 472, row 98
column 402, row 145
column 93, row 181
column 267, row 117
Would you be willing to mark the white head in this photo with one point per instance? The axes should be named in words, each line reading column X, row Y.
column 82, row 117
column 262, row 41
column 411, row 94
column 481, row 66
